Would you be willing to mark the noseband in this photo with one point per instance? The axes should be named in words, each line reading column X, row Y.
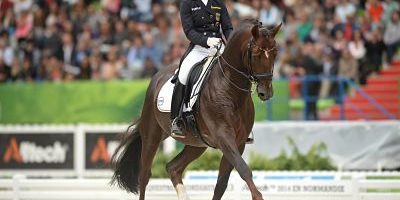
column 250, row 75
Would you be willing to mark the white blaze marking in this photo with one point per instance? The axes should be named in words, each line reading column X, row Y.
column 266, row 54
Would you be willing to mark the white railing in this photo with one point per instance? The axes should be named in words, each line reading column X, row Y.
column 353, row 188
column 80, row 141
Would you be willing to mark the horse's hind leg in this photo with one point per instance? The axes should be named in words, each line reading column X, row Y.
column 151, row 139
column 225, row 169
column 177, row 165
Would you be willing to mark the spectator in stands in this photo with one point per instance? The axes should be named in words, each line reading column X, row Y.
column 105, row 37
column 304, row 27
column 318, row 27
column 24, row 25
column 22, row 5
column 349, row 28
column 375, row 11
column 244, row 10
column 136, row 55
column 4, row 71
column 111, row 6
column 269, row 13
column 312, row 67
column 339, row 43
column 357, row 49
column 329, row 70
column 95, row 63
column 52, row 42
column 344, row 9
column 328, row 7
column 142, row 10
column 109, row 70
column 15, row 70
column 6, row 51
column 392, row 36
column 257, row 6
column 149, row 68
column 291, row 24
column 365, row 25
column 293, row 73
column 348, row 66
column 390, row 6
column 374, row 55
column 164, row 36
column 81, row 33
column 54, row 69
column 336, row 25
column 151, row 50
column 121, row 34
column 27, row 72
column 69, row 52
column 85, row 69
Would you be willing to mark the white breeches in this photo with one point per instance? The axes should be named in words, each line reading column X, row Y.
column 197, row 54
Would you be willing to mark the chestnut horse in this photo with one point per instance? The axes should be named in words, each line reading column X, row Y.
column 225, row 116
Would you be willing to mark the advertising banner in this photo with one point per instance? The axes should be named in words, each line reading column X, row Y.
column 361, row 145
column 99, row 147
column 19, row 151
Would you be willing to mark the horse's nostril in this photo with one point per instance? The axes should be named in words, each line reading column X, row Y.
column 262, row 94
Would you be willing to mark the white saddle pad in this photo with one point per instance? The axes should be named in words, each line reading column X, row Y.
column 164, row 98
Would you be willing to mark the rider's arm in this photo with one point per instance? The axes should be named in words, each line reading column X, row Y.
column 226, row 23
column 188, row 26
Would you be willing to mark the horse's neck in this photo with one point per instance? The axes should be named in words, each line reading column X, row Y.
column 233, row 79
column 234, row 54
column 235, row 51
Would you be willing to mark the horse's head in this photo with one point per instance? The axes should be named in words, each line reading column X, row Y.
column 261, row 54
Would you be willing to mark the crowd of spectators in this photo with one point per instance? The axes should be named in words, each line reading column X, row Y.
column 55, row 40
column 349, row 38
column 63, row 40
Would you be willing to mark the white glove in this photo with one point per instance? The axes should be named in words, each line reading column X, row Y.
column 212, row 41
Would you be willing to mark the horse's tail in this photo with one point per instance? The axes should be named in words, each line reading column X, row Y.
column 126, row 160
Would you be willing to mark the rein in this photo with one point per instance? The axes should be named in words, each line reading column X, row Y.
column 229, row 80
column 250, row 75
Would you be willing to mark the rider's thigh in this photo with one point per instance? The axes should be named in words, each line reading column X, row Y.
column 195, row 56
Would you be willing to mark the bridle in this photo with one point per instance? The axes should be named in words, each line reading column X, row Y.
column 250, row 75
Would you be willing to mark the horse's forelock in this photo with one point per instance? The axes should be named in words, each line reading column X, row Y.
column 265, row 32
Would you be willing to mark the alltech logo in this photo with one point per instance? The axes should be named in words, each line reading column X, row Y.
column 24, row 151
column 99, row 149
column 29, row 152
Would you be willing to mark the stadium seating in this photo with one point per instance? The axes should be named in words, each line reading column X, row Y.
column 384, row 89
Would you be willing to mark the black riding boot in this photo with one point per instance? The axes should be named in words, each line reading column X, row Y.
column 176, row 109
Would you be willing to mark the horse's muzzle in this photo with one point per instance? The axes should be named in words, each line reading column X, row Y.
column 264, row 93
column 264, row 96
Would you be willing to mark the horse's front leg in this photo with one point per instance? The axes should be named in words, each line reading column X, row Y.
column 177, row 165
column 231, row 151
column 225, row 169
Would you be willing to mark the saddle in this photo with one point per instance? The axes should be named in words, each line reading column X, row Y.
column 197, row 76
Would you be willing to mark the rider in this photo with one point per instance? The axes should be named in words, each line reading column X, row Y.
column 202, row 21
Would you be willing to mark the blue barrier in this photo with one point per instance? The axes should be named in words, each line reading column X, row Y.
column 340, row 96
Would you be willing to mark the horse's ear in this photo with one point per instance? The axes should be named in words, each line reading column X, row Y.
column 276, row 29
column 255, row 32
